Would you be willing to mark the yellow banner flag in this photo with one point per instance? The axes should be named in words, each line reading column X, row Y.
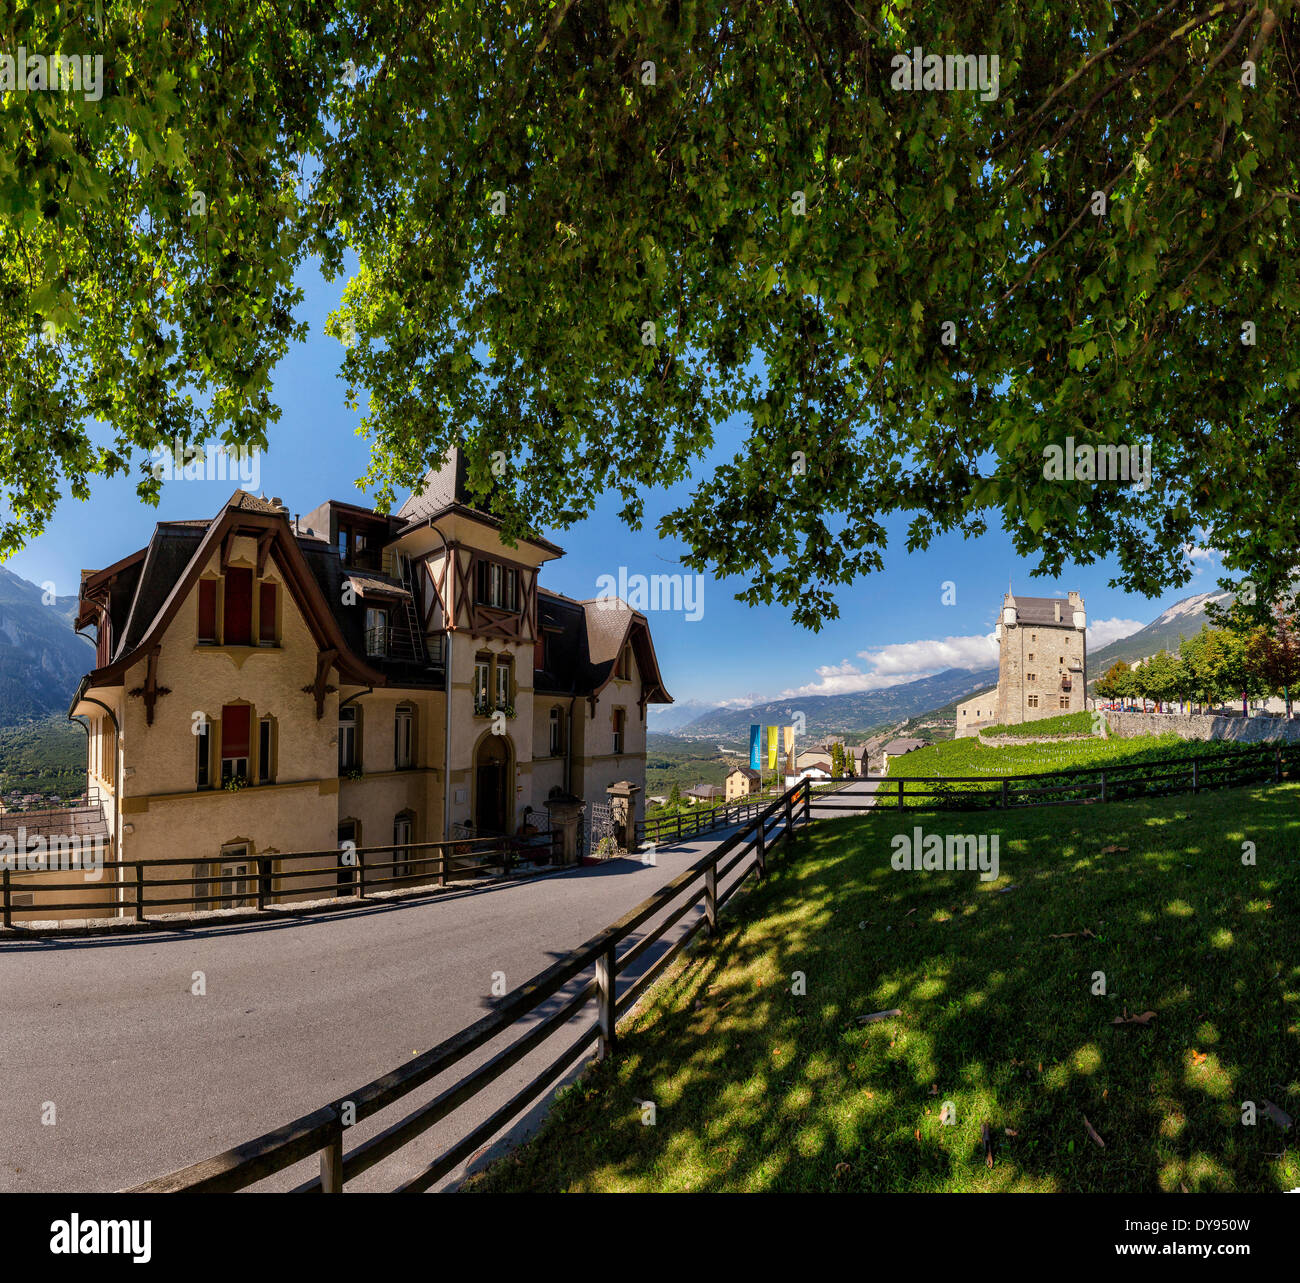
column 771, row 747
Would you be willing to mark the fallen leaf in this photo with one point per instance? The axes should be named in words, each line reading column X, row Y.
column 1070, row 935
column 1092, row 1133
column 1011, row 1131
column 1143, row 1019
column 1113, row 850
column 1199, row 1057
column 841, row 1168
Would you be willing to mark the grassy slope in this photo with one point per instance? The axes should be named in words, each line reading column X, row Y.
column 1067, row 724
column 757, row 1089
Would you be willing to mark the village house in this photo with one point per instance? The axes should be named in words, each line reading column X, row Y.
column 705, row 795
column 898, row 748
column 741, row 781
column 265, row 685
column 1042, row 664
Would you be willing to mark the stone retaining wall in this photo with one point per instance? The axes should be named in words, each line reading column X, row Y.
column 1200, row 726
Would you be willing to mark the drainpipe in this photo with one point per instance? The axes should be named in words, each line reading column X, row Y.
column 446, row 660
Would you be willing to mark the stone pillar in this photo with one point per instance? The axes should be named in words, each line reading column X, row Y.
column 566, row 816
column 623, row 800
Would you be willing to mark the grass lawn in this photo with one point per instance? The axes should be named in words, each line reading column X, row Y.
column 756, row 1088
column 1079, row 723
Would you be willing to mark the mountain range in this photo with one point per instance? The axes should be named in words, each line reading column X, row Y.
column 41, row 658
column 860, row 713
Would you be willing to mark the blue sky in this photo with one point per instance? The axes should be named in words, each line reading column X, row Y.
column 893, row 626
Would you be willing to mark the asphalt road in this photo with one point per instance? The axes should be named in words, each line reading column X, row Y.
column 146, row 1076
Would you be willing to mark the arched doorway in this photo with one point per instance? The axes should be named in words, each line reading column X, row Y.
column 492, row 784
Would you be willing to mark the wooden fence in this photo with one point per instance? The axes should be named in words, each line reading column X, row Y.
column 126, row 887
column 594, row 969
column 688, row 824
column 1072, row 785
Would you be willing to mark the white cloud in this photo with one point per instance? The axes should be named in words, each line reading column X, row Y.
column 1101, row 632
column 902, row 662
column 933, row 656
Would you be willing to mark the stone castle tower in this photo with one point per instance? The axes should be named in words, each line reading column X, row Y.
column 1042, row 663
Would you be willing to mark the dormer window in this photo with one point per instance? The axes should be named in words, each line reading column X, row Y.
column 624, row 669
column 376, row 631
column 239, row 607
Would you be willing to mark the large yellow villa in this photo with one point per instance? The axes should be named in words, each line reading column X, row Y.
column 265, row 685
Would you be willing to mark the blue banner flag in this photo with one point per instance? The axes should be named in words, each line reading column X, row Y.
column 755, row 749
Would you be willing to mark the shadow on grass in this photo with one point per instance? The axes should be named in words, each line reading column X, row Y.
column 762, row 1081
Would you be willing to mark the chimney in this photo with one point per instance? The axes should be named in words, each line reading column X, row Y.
column 1056, row 606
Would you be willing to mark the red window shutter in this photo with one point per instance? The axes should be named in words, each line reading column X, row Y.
column 266, row 613
column 539, row 651
column 239, row 607
column 207, row 610
column 235, row 730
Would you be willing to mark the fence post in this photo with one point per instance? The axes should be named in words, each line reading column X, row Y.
column 361, row 873
column 331, row 1162
column 900, row 795
column 679, row 826
column 711, row 896
column 1277, row 766
column 605, row 977
column 8, row 906
column 263, row 881
column 139, row 892
column 807, row 804
column 760, row 849
column 789, row 819
column 1195, row 781
column 1103, row 786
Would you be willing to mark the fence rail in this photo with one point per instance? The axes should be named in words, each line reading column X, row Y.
column 1073, row 785
column 689, row 824
column 268, row 881
column 594, row 967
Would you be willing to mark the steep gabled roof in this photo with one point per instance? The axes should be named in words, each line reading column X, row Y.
column 175, row 559
column 445, row 490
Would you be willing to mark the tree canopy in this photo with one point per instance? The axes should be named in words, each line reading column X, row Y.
column 592, row 238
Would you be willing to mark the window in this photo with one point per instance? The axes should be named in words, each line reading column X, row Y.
column 1065, row 701
column 343, row 545
column 404, row 729
column 402, row 831
column 203, row 745
column 482, row 676
column 207, row 612
column 620, row 721
column 1031, row 677
column 236, row 724
column 376, row 631
column 347, row 738
column 503, row 683
column 265, row 750
column 234, row 864
column 1032, row 701
column 266, row 621
column 624, row 670
column 557, row 732
column 239, row 607
column 497, row 585
column 1031, row 654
